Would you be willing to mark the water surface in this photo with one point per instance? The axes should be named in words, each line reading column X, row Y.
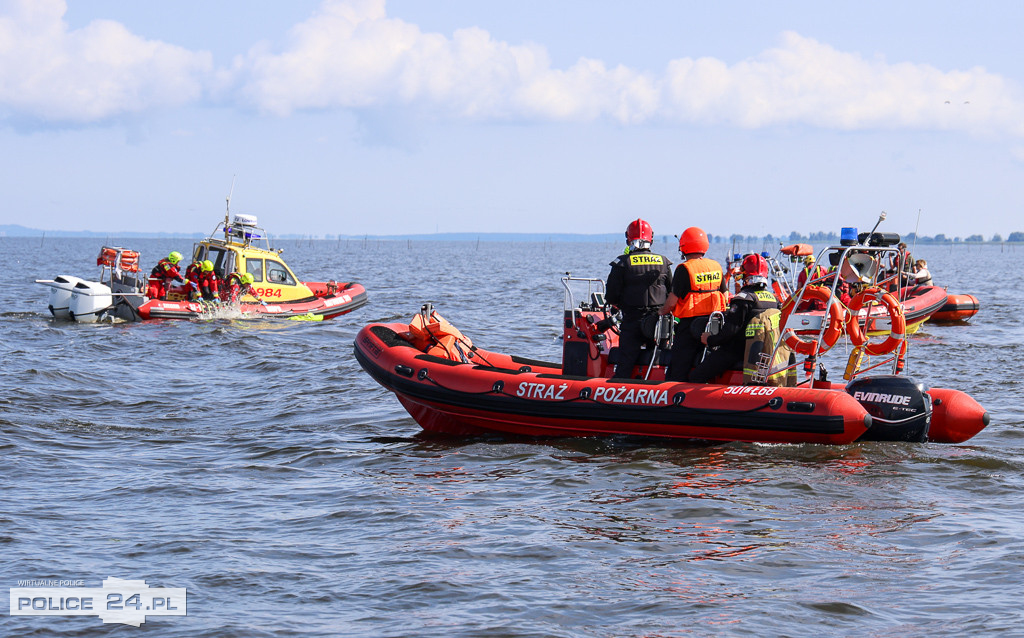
column 256, row 465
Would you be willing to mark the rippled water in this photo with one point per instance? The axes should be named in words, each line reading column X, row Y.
column 256, row 465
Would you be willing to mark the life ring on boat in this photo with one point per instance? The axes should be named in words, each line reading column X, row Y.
column 130, row 261
column 809, row 346
column 107, row 257
column 897, row 321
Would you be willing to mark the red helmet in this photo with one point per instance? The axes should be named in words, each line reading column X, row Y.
column 639, row 229
column 693, row 240
column 754, row 266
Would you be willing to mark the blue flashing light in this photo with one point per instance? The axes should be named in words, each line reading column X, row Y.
column 736, row 256
column 848, row 237
column 765, row 254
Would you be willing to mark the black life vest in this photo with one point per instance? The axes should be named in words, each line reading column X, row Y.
column 760, row 296
column 645, row 279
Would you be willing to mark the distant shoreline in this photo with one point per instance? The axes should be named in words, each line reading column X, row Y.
column 19, row 232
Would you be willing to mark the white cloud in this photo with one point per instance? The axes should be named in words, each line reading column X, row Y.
column 351, row 55
column 50, row 73
column 806, row 82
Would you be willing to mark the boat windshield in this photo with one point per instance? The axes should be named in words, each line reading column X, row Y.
column 588, row 290
column 278, row 274
column 254, row 267
column 222, row 258
column 223, row 261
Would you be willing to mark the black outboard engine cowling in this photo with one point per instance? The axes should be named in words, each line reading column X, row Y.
column 900, row 407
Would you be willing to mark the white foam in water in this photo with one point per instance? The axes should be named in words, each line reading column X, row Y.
column 225, row 311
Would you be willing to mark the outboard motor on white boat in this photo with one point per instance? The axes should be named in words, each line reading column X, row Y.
column 59, row 297
column 900, row 407
column 89, row 299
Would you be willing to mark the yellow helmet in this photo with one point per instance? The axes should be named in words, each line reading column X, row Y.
column 247, row 278
column 207, row 266
column 174, row 257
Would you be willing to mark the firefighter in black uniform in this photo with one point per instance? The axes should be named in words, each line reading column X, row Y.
column 753, row 298
column 638, row 285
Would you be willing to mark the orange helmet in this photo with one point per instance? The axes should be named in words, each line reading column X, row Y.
column 639, row 229
column 693, row 240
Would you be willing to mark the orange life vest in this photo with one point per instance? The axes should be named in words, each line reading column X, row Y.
column 705, row 296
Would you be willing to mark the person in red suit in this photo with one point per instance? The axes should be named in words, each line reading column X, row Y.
column 238, row 285
column 163, row 275
column 207, row 283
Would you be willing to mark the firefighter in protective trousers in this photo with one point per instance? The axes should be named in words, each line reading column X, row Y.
column 754, row 298
column 638, row 286
column 698, row 289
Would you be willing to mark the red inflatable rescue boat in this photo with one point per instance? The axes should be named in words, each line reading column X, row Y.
column 451, row 386
column 919, row 304
column 236, row 247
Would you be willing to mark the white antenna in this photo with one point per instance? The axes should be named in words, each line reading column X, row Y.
column 914, row 249
column 881, row 218
column 227, row 212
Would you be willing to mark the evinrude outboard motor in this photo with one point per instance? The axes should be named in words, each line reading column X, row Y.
column 60, row 295
column 89, row 300
column 900, row 407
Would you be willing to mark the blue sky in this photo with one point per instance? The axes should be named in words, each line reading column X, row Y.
column 418, row 116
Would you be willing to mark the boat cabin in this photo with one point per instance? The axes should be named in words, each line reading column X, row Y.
column 236, row 250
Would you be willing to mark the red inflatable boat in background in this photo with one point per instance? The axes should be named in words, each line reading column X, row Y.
column 957, row 309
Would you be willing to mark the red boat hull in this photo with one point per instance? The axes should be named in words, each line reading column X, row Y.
column 958, row 308
column 956, row 416
column 499, row 393
column 327, row 303
column 471, row 391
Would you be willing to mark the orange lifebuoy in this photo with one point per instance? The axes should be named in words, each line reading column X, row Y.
column 809, row 346
column 107, row 257
column 897, row 320
column 130, row 261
